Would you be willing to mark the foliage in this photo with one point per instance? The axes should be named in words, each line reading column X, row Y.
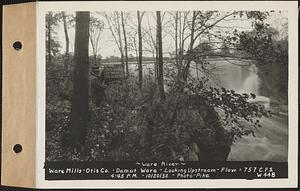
column 194, row 121
column 235, row 107
column 261, row 43
column 52, row 20
column 136, row 125
column 58, row 95
column 96, row 28
column 55, row 47
column 57, row 114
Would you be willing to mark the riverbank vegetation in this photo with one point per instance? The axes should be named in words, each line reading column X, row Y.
column 95, row 111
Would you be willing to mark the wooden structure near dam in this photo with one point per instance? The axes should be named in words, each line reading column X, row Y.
column 108, row 72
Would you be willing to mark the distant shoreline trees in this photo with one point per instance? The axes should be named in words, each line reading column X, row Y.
column 196, row 35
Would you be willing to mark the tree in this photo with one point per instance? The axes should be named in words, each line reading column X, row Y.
column 52, row 46
column 115, row 28
column 176, row 36
column 120, row 41
column 160, row 56
column 132, row 42
column 96, row 28
column 272, row 57
column 48, row 33
column 125, row 43
column 199, row 27
column 180, row 22
column 192, row 41
column 140, row 66
column 80, row 99
column 150, row 41
column 66, row 61
column 183, row 17
column 225, row 49
column 66, row 22
column 193, row 26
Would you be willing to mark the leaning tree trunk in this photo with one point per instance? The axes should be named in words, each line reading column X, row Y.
column 188, row 62
column 140, row 66
column 80, row 99
column 125, row 44
column 66, row 61
column 160, row 56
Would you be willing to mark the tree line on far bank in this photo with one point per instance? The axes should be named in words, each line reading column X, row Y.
column 196, row 36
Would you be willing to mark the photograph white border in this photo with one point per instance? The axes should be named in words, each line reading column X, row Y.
column 290, row 6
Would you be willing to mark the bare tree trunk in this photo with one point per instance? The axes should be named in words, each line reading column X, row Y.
column 176, row 38
column 66, row 61
column 192, row 41
column 80, row 97
column 120, row 42
column 125, row 45
column 180, row 31
column 49, row 41
column 180, row 45
column 160, row 56
column 140, row 66
column 95, row 59
column 156, row 60
column 183, row 32
column 90, row 81
column 67, row 53
column 136, row 50
column 197, row 71
column 154, row 56
column 94, row 50
column 193, row 31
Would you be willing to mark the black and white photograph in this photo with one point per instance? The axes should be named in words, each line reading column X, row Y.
column 150, row 95
column 167, row 85
column 167, row 93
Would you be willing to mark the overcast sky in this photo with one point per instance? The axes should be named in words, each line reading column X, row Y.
column 108, row 46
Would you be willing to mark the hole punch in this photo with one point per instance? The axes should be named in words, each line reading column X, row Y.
column 17, row 148
column 17, row 45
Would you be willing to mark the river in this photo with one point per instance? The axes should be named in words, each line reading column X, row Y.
column 271, row 140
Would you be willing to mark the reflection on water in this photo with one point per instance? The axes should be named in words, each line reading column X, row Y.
column 271, row 141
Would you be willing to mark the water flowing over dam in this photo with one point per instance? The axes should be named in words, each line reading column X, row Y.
column 271, row 140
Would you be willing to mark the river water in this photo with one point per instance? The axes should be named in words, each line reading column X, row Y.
column 271, row 140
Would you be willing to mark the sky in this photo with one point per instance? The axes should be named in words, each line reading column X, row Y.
column 108, row 46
